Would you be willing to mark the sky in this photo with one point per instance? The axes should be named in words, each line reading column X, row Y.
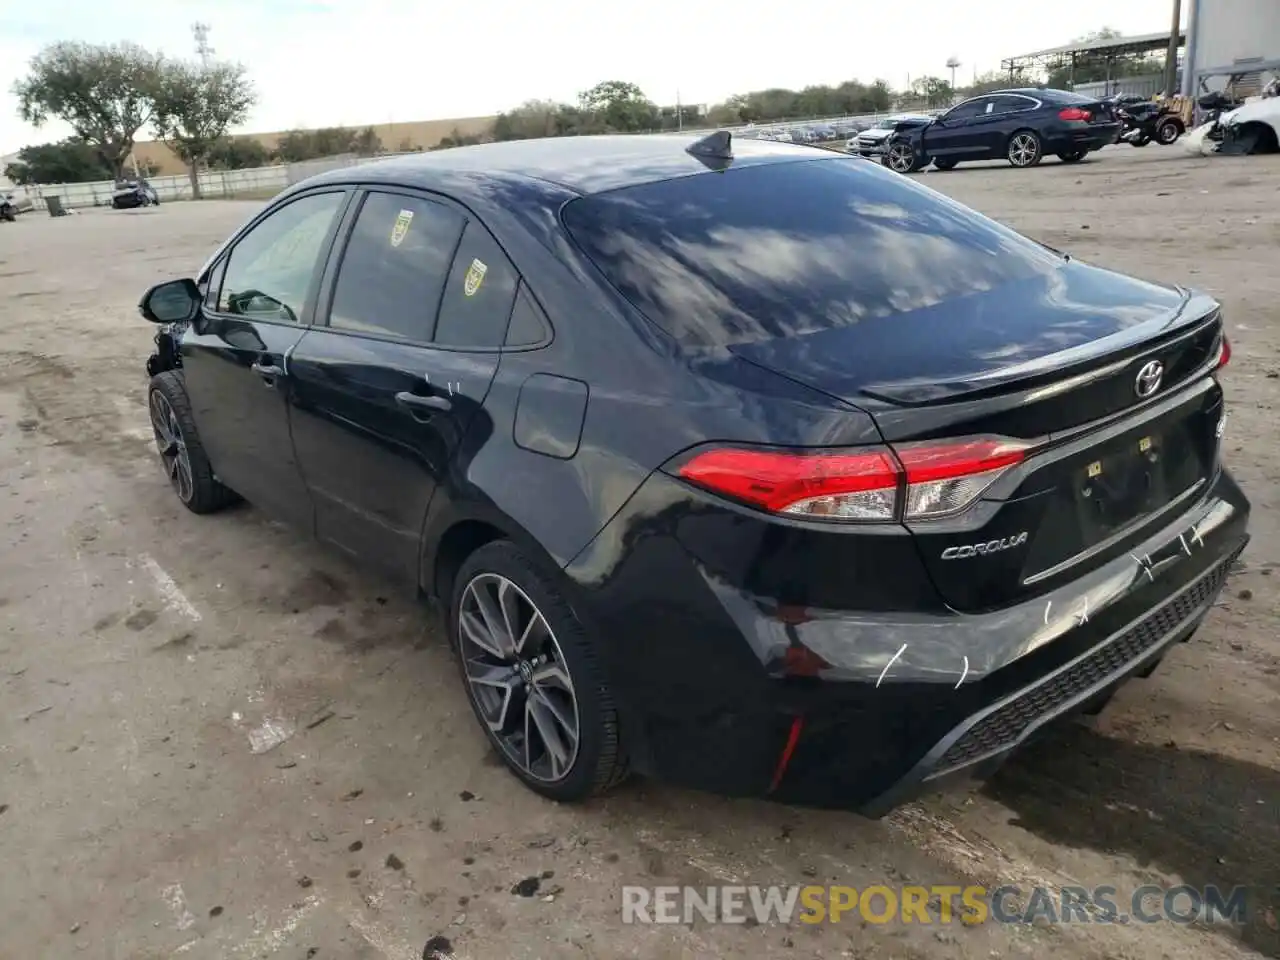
column 356, row 62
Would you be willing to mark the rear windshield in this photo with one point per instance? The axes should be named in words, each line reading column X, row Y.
column 786, row 249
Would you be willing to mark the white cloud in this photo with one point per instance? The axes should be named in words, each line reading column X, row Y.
column 325, row 62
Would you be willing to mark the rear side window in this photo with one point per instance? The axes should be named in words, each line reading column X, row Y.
column 478, row 297
column 1012, row 103
column 394, row 267
column 785, row 249
column 528, row 325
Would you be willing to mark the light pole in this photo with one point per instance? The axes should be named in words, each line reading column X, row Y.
column 1171, row 57
column 952, row 64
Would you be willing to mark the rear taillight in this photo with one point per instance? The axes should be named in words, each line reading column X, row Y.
column 1074, row 113
column 916, row 481
column 945, row 478
column 1224, row 353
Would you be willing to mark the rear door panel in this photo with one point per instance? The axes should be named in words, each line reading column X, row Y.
column 380, row 407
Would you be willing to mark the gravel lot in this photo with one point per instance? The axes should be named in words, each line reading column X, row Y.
column 148, row 656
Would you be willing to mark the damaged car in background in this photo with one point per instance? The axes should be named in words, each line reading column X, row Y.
column 1247, row 128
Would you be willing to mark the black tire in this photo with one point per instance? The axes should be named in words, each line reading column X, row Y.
column 1168, row 132
column 199, row 491
column 945, row 165
column 901, row 157
column 8, row 215
column 1141, row 140
column 600, row 761
column 1024, row 149
column 1073, row 156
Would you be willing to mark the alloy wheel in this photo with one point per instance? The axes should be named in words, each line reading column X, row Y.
column 518, row 677
column 901, row 158
column 173, row 449
column 1023, row 150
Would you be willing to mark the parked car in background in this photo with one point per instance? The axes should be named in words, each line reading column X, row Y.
column 134, row 193
column 1021, row 126
column 871, row 142
column 752, row 467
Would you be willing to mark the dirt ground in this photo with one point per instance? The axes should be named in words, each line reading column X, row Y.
column 220, row 741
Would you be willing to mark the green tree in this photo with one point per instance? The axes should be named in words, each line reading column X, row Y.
column 366, row 143
column 237, row 153
column 935, row 91
column 196, row 105
column 106, row 94
column 995, row 80
column 295, row 146
column 68, row 161
column 620, row 106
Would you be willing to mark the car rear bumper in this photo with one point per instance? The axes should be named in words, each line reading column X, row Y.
column 737, row 693
column 1084, row 136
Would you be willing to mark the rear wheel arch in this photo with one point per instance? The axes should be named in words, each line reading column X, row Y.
column 460, row 541
column 449, row 540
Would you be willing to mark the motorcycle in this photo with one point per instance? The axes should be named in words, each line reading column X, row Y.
column 8, row 208
column 1145, row 120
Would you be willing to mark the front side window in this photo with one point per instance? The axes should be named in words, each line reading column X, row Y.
column 272, row 266
column 394, row 267
column 967, row 110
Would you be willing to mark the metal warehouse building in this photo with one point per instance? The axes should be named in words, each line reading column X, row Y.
column 1230, row 37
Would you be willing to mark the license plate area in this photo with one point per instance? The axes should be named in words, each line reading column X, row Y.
column 1124, row 484
column 1114, row 486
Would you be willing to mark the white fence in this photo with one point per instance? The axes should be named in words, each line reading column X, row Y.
column 254, row 181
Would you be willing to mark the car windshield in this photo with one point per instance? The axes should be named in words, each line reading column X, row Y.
column 789, row 248
column 887, row 124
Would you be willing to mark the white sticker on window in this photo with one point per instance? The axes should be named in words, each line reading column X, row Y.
column 401, row 227
column 475, row 277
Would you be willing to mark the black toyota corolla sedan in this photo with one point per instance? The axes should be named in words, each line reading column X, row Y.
column 1021, row 126
column 749, row 466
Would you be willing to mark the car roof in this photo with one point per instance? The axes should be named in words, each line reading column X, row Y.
column 584, row 165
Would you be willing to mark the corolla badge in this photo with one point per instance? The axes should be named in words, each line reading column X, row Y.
column 1149, row 377
column 982, row 549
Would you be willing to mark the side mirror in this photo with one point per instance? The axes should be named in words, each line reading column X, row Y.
column 175, row 301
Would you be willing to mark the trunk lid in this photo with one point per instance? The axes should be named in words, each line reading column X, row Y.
column 1055, row 361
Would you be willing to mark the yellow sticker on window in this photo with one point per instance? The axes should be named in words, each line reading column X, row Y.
column 1095, row 468
column 1144, row 444
column 401, row 227
column 475, row 277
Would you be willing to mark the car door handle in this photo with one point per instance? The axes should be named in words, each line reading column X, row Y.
column 416, row 401
column 267, row 371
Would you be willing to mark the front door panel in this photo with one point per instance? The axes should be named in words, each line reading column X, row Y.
column 241, row 410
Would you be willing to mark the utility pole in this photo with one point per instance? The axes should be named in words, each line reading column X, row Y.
column 952, row 64
column 1171, row 57
column 679, row 113
column 201, row 32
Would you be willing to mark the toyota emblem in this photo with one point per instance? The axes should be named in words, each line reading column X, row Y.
column 1149, row 378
